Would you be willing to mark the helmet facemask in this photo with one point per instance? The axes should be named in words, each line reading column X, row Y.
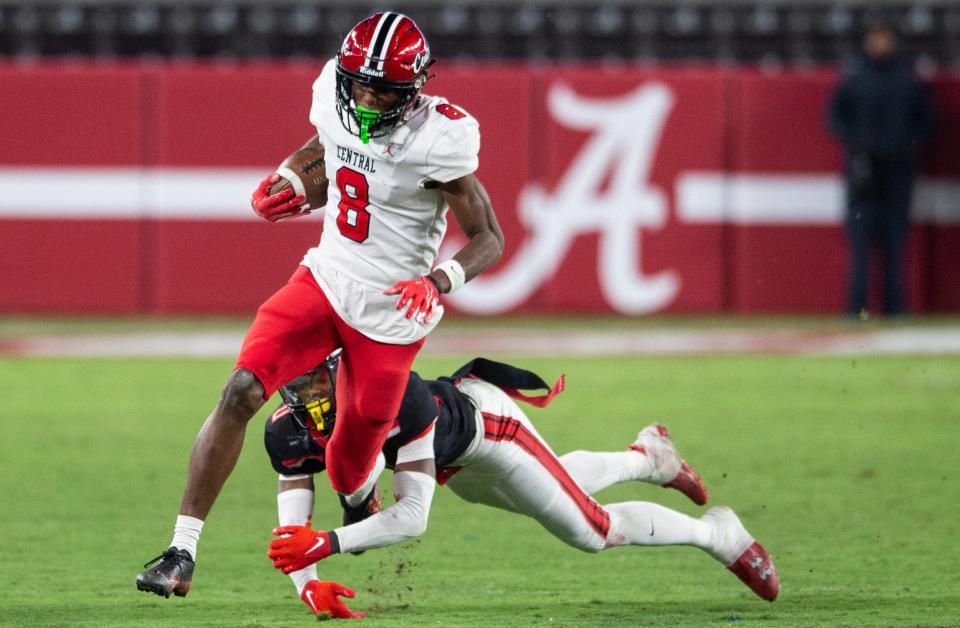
column 367, row 123
column 312, row 396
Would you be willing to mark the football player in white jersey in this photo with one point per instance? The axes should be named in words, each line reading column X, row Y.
column 396, row 161
column 465, row 431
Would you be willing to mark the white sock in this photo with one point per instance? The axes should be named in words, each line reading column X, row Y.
column 294, row 508
column 644, row 523
column 595, row 470
column 186, row 534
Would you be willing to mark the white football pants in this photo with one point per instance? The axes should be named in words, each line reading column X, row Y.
column 509, row 466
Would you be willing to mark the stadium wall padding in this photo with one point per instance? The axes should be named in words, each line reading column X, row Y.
column 630, row 189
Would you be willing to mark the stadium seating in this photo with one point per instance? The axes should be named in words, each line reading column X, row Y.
column 772, row 33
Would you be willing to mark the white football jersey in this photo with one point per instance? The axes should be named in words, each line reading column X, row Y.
column 385, row 216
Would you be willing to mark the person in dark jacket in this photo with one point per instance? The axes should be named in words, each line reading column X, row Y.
column 883, row 114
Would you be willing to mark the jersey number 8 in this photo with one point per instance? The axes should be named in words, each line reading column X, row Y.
column 354, row 219
column 450, row 111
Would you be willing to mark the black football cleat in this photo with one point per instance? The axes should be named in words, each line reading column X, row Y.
column 369, row 506
column 173, row 574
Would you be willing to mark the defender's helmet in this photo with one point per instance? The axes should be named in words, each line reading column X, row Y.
column 311, row 397
column 386, row 51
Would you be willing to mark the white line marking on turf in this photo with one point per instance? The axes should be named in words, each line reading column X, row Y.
column 493, row 342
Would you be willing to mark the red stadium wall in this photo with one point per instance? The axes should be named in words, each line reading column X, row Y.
column 624, row 189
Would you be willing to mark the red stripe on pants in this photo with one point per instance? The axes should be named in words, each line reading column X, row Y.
column 500, row 428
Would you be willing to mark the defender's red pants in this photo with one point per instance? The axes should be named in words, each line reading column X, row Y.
column 295, row 330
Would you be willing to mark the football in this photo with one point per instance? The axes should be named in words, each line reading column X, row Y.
column 309, row 167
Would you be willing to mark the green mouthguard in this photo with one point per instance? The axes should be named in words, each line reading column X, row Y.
column 366, row 118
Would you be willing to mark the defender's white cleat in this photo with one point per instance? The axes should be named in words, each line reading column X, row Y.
column 670, row 470
column 733, row 546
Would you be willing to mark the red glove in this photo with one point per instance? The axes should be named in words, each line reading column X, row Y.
column 422, row 295
column 299, row 547
column 284, row 204
column 322, row 597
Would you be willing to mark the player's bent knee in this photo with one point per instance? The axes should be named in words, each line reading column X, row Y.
column 242, row 395
column 344, row 481
column 591, row 545
column 585, row 540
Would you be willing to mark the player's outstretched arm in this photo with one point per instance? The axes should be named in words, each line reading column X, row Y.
column 413, row 484
column 470, row 205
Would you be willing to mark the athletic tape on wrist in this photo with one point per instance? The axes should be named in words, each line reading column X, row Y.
column 454, row 272
column 294, row 180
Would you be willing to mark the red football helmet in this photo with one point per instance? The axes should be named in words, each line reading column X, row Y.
column 386, row 51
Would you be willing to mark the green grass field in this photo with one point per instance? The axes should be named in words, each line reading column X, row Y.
column 841, row 467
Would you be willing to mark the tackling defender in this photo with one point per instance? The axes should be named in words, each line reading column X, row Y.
column 396, row 160
column 466, row 431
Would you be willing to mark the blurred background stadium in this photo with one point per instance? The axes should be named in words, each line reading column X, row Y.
column 643, row 158
column 774, row 32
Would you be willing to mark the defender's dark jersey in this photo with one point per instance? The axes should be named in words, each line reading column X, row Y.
column 293, row 451
column 457, row 426
column 417, row 411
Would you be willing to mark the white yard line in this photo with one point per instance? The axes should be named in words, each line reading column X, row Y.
column 493, row 342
